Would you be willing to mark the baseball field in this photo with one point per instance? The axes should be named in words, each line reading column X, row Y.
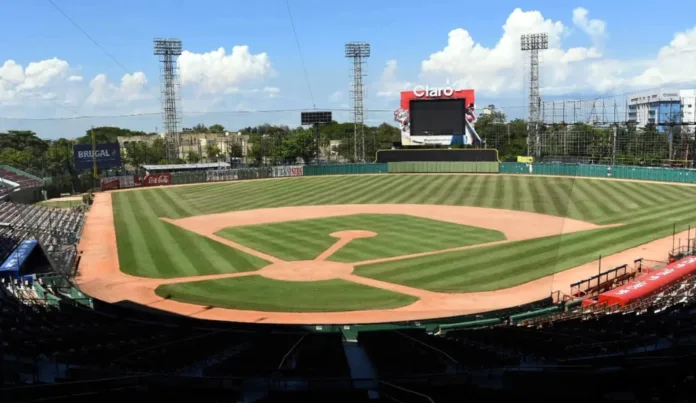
column 369, row 248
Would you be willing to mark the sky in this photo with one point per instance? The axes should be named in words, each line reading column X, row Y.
column 67, row 65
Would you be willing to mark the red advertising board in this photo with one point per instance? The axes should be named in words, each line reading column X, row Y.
column 110, row 185
column 156, row 180
column 649, row 283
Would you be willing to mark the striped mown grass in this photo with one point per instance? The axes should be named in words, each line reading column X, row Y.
column 262, row 294
column 503, row 266
column 396, row 235
column 152, row 248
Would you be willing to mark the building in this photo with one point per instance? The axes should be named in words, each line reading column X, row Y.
column 660, row 107
column 488, row 110
column 688, row 99
column 198, row 143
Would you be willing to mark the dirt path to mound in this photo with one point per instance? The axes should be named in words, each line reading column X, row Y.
column 99, row 274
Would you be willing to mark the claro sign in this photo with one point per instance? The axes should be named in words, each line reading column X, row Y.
column 425, row 91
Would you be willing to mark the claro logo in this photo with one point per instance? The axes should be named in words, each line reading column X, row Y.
column 425, row 91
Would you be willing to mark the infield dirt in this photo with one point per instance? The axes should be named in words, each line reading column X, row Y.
column 99, row 274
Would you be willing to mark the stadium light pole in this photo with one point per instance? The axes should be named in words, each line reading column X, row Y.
column 533, row 43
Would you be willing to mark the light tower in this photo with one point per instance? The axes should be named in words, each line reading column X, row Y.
column 358, row 51
column 533, row 43
column 168, row 50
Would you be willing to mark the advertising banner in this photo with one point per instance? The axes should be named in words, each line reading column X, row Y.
column 110, row 184
column 107, row 156
column 156, row 180
column 117, row 182
column 287, row 171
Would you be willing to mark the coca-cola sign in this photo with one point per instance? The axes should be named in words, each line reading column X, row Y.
column 157, row 180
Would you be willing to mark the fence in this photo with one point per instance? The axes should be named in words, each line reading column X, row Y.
column 614, row 144
column 680, row 175
column 215, row 175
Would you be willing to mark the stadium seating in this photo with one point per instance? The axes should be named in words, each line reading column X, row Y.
column 22, row 180
column 56, row 229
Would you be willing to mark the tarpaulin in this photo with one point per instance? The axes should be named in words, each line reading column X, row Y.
column 15, row 261
column 649, row 283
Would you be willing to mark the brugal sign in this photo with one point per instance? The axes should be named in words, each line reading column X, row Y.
column 426, row 91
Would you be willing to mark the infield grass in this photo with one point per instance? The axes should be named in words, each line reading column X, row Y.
column 397, row 234
column 261, row 294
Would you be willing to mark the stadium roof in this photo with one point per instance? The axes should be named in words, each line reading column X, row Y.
column 170, row 167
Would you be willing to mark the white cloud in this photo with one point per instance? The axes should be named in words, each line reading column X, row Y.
column 271, row 92
column 500, row 68
column 217, row 72
column 17, row 82
column 131, row 88
column 75, row 79
column 389, row 84
column 595, row 29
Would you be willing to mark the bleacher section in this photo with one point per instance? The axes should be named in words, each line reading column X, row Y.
column 12, row 179
column 56, row 229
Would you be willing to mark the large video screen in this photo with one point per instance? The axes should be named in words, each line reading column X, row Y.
column 437, row 117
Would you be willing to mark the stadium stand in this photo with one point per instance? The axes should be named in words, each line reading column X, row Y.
column 12, row 179
column 56, row 229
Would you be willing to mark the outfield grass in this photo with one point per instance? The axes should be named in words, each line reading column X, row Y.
column 261, row 294
column 152, row 248
column 396, row 235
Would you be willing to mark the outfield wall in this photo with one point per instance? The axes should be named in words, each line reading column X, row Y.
column 679, row 175
column 443, row 167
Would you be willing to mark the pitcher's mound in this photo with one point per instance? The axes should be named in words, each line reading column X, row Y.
column 306, row 270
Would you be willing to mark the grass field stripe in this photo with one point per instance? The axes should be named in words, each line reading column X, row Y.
column 128, row 236
column 629, row 200
column 390, row 187
column 180, row 207
column 242, row 197
column 559, row 199
column 479, row 192
column 190, row 244
column 162, row 239
column 434, row 186
column 460, row 189
column 539, row 196
column 646, row 193
column 519, row 251
column 595, row 196
column 268, row 243
column 147, row 225
column 615, row 202
column 364, row 190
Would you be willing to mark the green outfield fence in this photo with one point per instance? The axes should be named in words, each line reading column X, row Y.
column 679, row 175
column 675, row 175
column 344, row 169
column 444, row 167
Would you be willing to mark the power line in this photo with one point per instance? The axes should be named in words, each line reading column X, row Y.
column 146, row 114
column 87, row 35
column 299, row 51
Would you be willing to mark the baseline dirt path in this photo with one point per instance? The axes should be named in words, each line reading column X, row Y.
column 99, row 275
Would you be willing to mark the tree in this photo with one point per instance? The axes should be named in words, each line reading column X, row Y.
column 193, row 157
column 212, row 151
column 216, row 128
column 235, row 150
column 108, row 134
column 199, row 128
